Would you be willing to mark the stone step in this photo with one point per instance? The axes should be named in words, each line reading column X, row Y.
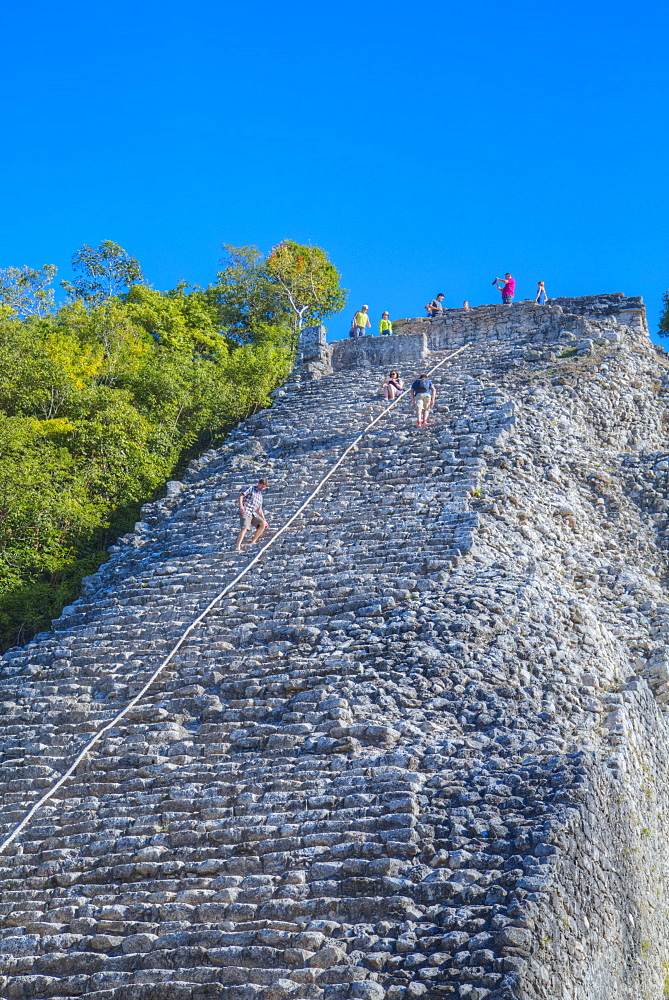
column 167, row 988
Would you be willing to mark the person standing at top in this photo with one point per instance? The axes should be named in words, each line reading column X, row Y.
column 423, row 394
column 385, row 325
column 466, row 306
column 508, row 288
column 541, row 297
column 251, row 513
column 360, row 323
column 436, row 306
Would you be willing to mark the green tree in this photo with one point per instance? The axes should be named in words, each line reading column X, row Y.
column 44, row 366
column 105, row 397
column 103, row 271
column 26, row 290
column 245, row 297
column 308, row 281
column 180, row 319
column 664, row 319
column 294, row 284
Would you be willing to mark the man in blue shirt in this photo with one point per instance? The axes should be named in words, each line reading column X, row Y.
column 435, row 308
column 423, row 394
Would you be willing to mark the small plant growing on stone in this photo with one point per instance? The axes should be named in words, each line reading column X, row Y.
column 665, row 981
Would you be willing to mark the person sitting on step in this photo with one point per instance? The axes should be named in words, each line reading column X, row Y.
column 392, row 386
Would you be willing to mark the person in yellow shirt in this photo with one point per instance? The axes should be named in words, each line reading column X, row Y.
column 360, row 323
column 385, row 325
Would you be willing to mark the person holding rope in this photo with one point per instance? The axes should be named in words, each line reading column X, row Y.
column 251, row 513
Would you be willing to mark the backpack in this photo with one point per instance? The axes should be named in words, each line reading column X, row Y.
column 421, row 385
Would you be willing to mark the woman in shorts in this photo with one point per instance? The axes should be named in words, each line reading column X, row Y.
column 392, row 386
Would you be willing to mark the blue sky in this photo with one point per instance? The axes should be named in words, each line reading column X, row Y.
column 427, row 147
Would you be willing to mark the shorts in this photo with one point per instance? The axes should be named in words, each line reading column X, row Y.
column 247, row 520
column 507, row 300
column 422, row 400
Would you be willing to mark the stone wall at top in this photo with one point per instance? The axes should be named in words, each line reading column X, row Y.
column 523, row 320
column 567, row 319
column 419, row 752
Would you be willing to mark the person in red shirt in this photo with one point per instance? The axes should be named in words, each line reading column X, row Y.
column 508, row 288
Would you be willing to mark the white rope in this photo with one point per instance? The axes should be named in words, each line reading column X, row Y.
column 196, row 621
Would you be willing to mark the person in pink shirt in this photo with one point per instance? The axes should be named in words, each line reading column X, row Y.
column 508, row 288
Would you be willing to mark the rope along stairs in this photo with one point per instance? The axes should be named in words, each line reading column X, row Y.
column 373, row 764
column 202, row 616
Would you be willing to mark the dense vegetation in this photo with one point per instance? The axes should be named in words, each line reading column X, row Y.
column 664, row 318
column 101, row 398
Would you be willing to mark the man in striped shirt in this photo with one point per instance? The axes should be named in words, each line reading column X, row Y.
column 251, row 513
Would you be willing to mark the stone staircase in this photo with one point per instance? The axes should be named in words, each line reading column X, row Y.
column 355, row 777
column 190, row 860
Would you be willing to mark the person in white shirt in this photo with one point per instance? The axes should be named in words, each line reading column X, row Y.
column 251, row 513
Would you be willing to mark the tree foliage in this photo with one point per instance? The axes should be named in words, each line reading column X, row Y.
column 102, row 272
column 245, row 298
column 25, row 290
column 294, row 284
column 664, row 319
column 102, row 398
column 307, row 280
